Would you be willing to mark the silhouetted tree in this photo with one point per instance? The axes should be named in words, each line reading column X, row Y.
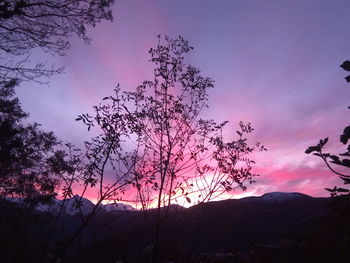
column 33, row 164
column 34, row 169
column 29, row 24
column 341, row 160
column 168, row 152
column 25, row 151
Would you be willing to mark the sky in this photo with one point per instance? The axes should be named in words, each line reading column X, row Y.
column 275, row 64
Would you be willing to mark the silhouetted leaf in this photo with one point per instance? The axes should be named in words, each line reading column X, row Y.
column 188, row 199
column 312, row 149
column 346, row 162
column 335, row 159
column 346, row 65
column 325, row 140
column 342, row 190
column 182, row 190
column 322, row 142
column 346, row 135
column 345, row 179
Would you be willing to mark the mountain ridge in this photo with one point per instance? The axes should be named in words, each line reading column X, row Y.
column 227, row 225
column 77, row 205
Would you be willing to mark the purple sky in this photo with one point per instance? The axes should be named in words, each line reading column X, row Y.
column 275, row 63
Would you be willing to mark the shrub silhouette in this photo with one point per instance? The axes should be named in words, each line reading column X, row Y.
column 156, row 141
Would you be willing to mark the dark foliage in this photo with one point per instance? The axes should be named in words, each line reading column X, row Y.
column 24, row 152
column 346, row 66
column 341, row 160
column 29, row 24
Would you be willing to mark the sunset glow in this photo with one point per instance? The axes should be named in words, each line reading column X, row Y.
column 275, row 64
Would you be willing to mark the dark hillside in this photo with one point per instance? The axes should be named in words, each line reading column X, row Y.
column 230, row 225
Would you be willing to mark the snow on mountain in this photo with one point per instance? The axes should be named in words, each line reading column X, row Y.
column 52, row 208
column 75, row 206
column 117, row 207
column 281, row 196
column 13, row 200
column 72, row 206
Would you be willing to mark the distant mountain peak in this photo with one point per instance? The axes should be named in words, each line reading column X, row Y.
column 76, row 205
column 282, row 196
column 117, row 207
